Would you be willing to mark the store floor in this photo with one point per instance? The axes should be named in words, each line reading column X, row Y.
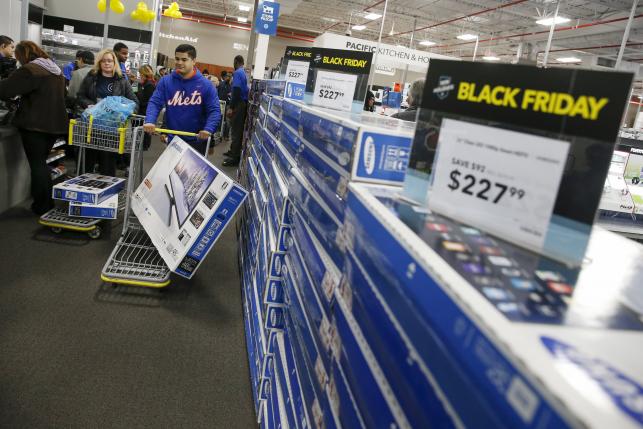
column 76, row 353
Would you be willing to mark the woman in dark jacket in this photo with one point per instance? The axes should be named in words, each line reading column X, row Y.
column 145, row 91
column 104, row 80
column 41, row 117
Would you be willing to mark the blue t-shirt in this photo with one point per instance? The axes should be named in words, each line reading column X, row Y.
column 124, row 70
column 239, row 80
column 69, row 69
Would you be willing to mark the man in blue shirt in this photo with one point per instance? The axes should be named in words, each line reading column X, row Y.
column 122, row 53
column 237, row 111
column 71, row 66
column 190, row 100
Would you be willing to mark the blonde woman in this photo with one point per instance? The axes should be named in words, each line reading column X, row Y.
column 104, row 80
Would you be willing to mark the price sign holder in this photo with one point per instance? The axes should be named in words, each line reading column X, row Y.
column 517, row 151
column 296, row 63
column 338, row 79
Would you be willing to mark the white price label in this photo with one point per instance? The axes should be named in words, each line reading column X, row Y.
column 297, row 71
column 334, row 90
column 501, row 181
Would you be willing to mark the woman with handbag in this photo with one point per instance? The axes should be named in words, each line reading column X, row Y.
column 41, row 116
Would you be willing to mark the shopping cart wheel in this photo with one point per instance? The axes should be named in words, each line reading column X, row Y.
column 56, row 230
column 94, row 233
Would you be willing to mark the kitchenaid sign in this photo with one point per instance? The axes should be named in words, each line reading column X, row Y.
column 387, row 54
column 181, row 38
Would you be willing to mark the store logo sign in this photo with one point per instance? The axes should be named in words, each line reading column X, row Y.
column 444, row 88
column 369, row 156
column 625, row 392
column 181, row 38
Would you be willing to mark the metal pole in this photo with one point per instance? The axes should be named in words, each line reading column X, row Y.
column 551, row 34
column 250, row 58
column 519, row 53
column 156, row 29
column 377, row 49
column 406, row 69
column 475, row 49
column 626, row 35
column 106, row 24
column 24, row 19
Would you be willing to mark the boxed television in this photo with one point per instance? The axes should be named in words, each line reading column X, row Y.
column 107, row 209
column 184, row 203
column 88, row 188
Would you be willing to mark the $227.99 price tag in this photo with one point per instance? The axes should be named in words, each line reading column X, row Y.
column 503, row 182
column 483, row 189
column 334, row 90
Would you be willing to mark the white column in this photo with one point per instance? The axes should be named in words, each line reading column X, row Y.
column 261, row 54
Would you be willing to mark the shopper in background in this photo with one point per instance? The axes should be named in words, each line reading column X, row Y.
column 104, row 79
column 70, row 67
column 224, row 90
column 85, row 62
column 122, row 53
column 41, row 117
column 414, row 98
column 237, row 111
column 206, row 73
column 145, row 92
column 369, row 103
column 7, row 61
column 190, row 100
column 214, row 80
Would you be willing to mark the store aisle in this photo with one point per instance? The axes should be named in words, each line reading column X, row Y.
column 76, row 354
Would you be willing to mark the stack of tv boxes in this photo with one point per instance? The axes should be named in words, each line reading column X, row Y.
column 363, row 310
column 298, row 165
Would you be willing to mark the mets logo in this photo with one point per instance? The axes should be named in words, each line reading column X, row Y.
column 444, row 87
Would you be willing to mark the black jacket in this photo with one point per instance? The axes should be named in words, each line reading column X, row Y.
column 87, row 93
column 144, row 94
column 42, row 101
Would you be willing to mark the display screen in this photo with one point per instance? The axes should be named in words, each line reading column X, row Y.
column 190, row 179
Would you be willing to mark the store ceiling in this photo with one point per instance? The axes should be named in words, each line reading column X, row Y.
column 595, row 27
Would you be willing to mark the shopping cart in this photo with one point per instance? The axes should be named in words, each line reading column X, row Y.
column 109, row 136
column 134, row 260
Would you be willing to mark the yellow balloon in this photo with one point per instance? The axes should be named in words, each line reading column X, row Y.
column 101, row 5
column 117, row 6
column 150, row 15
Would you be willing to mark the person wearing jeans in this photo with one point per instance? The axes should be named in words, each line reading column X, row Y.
column 237, row 111
column 41, row 117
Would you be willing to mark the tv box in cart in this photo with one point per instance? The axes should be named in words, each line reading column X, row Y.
column 108, row 209
column 184, row 203
column 88, row 188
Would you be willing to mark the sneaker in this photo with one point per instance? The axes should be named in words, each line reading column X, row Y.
column 231, row 162
column 228, row 154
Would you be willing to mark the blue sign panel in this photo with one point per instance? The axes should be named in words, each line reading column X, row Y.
column 266, row 18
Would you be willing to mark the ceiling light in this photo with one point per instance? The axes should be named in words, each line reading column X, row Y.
column 569, row 60
column 242, row 19
column 552, row 20
column 244, row 8
column 373, row 16
column 491, row 58
column 427, row 43
column 467, row 36
column 358, row 27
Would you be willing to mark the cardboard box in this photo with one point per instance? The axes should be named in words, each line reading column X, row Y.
column 321, row 270
column 317, row 215
column 184, row 203
column 369, row 148
column 370, row 387
column 273, row 124
column 291, row 112
column 510, row 338
column 261, row 119
column 88, row 188
column 108, row 209
column 276, row 106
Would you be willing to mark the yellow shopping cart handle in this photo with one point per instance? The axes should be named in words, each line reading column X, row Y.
column 175, row 132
